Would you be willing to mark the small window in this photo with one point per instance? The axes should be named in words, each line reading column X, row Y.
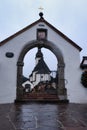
column 41, row 77
column 41, row 34
column 9, row 54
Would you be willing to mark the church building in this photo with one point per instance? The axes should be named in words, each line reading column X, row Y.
column 41, row 71
column 69, row 79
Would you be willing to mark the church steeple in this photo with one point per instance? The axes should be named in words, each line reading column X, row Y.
column 39, row 55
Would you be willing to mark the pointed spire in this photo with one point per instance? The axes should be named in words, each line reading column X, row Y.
column 39, row 54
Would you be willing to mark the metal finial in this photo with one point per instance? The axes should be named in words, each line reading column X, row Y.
column 40, row 8
column 41, row 13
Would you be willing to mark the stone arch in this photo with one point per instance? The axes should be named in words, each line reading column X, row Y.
column 61, row 90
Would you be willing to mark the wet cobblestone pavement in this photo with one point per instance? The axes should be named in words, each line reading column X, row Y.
column 43, row 116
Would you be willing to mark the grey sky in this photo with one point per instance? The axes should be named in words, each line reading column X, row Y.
column 69, row 16
column 29, row 60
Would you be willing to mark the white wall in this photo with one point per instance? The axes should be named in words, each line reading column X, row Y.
column 76, row 92
column 8, row 69
column 37, row 78
column 8, row 66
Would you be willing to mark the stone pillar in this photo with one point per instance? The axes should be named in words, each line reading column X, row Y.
column 19, row 93
column 62, row 93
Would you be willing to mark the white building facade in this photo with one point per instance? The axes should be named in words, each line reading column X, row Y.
column 41, row 33
column 41, row 72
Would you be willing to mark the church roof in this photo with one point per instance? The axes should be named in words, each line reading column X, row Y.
column 24, row 79
column 41, row 67
column 47, row 23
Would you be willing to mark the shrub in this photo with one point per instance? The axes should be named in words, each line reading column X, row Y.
column 84, row 79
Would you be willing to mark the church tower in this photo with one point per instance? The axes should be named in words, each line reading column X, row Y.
column 39, row 55
column 41, row 71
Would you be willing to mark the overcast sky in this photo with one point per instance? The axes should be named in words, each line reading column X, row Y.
column 69, row 16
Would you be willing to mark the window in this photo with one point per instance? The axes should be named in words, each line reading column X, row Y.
column 41, row 34
column 41, row 77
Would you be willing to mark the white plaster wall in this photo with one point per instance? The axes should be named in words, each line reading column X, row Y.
column 8, row 66
column 8, row 69
column 7, row 78
column 38, row 78
column 76, row 92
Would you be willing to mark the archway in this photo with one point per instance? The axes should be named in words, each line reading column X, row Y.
column 30, row 61
column 61, row 90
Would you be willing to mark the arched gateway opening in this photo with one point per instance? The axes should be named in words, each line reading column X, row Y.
column 61, row 93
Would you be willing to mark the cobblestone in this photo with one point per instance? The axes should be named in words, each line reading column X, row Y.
column 33, row 116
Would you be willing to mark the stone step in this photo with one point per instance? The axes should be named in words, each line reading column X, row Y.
column 39, row 96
